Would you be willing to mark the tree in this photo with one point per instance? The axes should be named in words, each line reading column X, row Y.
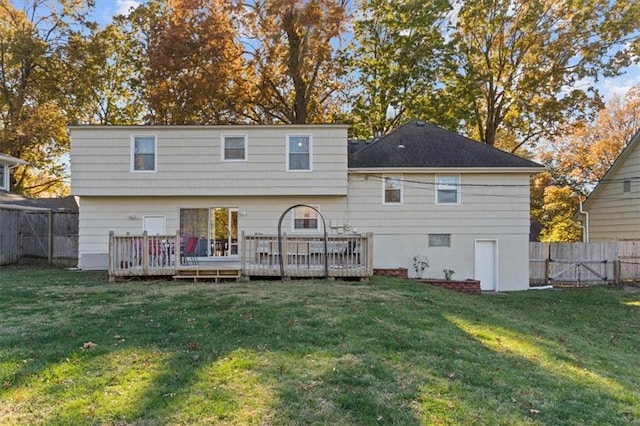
column 522, row 63
column 104, row 92
column 577, row 162
column 32, row 106
column 191, row 66
column 398, row 54
column 560, row 203
column 293, row 47
column 581, row 159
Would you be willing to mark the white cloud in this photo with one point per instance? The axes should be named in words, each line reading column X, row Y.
column 107, row 9
column 620, row 85
column 123, row 7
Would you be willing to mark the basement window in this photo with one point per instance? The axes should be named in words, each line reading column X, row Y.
column 439, row 240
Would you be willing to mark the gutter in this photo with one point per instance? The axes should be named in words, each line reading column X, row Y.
column 585, row 226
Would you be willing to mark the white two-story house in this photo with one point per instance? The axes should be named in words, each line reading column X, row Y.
column 420, row 190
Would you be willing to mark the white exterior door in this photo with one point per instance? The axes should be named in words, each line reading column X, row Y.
column 154, row 225
column 486, row 264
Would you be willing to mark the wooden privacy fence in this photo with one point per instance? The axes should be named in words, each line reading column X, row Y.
column 9, row 236
column 38, row 234
column 602, row 262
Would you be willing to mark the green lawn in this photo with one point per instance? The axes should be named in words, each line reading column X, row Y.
column 312, row 352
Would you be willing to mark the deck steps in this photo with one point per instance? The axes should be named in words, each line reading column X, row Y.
column 207, row 274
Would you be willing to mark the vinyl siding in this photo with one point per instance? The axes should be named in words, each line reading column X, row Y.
column 491, row 208
column 614, row 214
column 189, row 162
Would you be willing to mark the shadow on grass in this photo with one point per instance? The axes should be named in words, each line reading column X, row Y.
column 388, row 352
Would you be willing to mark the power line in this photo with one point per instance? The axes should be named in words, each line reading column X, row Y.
column 488, row 185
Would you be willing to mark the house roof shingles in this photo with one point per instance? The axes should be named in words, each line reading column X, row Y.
column 418, row 144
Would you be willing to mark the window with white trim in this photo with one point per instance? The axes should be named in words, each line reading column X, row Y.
column 447, row 189
column 298, row 153
column 4, row 177
column 392, row 190
column 439, row 240
column 234, row 148
column 143, row 154
column 305, row 219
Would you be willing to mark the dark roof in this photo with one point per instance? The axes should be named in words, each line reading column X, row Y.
column 418, row 144
column 58, row 204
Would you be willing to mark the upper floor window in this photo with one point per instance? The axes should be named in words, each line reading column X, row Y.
column 626, row 185
column 305, row 218
column 392, row 187
column 4, row 177
column 234, row 148
column 447, row 189
column 298, row 153
column 143, row 152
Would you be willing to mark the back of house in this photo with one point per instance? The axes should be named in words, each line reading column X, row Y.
column 421, row 191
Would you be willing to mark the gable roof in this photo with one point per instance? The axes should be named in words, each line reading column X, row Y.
column 7, row 159
column 17, row 201
column 418, row 144
column 626, row 152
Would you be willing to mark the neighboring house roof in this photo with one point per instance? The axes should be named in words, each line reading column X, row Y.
column 11, row 200
column 418, row 144
column 7, row 159
column 628, row 150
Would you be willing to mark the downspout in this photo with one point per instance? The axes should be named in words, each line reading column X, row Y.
column 8, row 176
column 585, row 227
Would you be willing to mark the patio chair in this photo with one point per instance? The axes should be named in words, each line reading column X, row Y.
column 189, row 251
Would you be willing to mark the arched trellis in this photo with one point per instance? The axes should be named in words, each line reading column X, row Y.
column 324, row 228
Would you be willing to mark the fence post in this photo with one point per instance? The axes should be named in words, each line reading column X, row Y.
column 145, row 253
column 177, row 250
column 112, row 277
column 243, row 252
column 547, row 270
column 50, row 242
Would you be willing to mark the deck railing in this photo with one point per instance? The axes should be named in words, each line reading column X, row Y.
column 143, row 255
column 345, row 256
column 305, row 256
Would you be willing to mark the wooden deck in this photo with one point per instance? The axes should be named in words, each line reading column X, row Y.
column 304, row 257
column 215, row 273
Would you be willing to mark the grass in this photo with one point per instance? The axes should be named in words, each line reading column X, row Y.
column 311, row 352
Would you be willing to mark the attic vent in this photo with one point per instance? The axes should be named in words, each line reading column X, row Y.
column 401, row 146
column 420, row 123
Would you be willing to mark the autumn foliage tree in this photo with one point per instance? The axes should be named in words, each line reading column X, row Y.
column 193, row 68
column 33, row 103
column 580, row 159
column 103, row 92
column 521, row 63
column 397, row 57
column 293, row 48
column 577, row 162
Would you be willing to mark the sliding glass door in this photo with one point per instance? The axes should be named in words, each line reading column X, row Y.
column 216, row 229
